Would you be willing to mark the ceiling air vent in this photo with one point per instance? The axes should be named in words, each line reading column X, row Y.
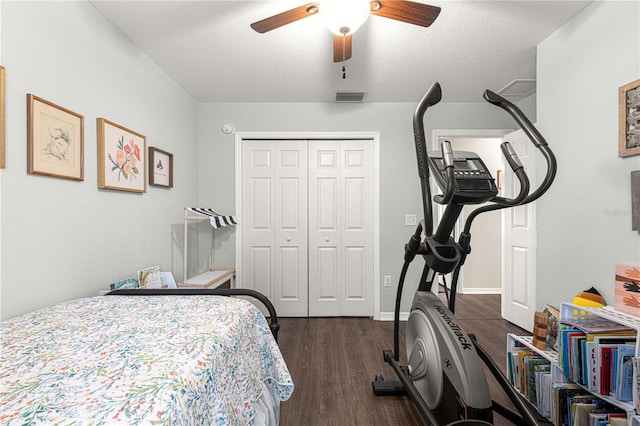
column 350, row 96
column 519, row 87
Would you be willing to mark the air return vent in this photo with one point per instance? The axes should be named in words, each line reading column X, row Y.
column 350, row 96
column 519, row 87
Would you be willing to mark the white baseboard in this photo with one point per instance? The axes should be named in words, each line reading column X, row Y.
column 479, row 290
column 388, row 316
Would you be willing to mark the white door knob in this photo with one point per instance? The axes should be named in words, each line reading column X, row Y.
column 288, row 238
column 326, row 239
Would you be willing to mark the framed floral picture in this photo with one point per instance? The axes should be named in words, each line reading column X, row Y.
column 121, row 158
column 160, row 167
column 55, row 140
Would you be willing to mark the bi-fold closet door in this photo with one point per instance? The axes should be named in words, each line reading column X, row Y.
column 307, row 218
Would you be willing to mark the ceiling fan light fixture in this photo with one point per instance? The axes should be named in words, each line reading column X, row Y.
column 344, row 17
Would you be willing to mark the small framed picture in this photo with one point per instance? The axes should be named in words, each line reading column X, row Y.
column 160, row 167
column 629, row 96
column 2, row 117
column 55, row 140
column 121, row 158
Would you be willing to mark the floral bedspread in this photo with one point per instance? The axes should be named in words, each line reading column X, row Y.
column 133, row 360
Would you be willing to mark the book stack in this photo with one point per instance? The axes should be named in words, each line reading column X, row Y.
column 530, row 373
column 597, row 353
column 573, row 406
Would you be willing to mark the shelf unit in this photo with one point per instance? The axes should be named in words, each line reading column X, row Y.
column 569, row 311
column 211, row 278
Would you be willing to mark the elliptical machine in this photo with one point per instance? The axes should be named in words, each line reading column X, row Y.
column 444, row 375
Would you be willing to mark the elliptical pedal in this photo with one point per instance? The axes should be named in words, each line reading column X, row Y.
column 382, row 387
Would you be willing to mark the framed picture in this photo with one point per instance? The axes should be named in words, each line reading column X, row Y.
column 55, row 140
column 160, row 167
column 2, row 117
column 629, row 96
column 121, row 158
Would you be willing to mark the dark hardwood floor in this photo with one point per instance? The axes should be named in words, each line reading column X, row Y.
column 334, row 360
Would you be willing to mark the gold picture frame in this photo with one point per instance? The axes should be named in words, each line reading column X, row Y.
column 2, row 116
column 55, row 140
column 629, row 139
column 121, row 157
column 160, row 167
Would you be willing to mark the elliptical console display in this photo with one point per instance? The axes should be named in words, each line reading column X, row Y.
column 473, row 181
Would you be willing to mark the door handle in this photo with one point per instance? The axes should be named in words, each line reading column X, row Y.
column 326, row 239
column 288, row 238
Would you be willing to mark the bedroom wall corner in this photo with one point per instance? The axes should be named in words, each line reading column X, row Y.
column 64, row 239
column 584, row 222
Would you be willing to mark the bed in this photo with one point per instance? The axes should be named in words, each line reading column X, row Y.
column 140, row 359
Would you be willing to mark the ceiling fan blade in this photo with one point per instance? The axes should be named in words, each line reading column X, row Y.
column 406, row 11
column 341, row 52
column 284, row 18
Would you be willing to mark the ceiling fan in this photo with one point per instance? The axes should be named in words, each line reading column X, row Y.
column 344, row 17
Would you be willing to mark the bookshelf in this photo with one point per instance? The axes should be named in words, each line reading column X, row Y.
column 572, row 316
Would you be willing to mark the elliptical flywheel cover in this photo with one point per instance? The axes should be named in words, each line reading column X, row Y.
column 423, row 358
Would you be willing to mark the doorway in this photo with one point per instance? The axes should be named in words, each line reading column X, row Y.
column 516, row 261
column 308, row 231
column 481, row 273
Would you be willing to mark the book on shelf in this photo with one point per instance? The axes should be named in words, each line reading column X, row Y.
column 624, row 373
column 544, row 385
column 575, row 406
column 535, row 366
column 591, row 358
column 602, row 380
column 553, row 319
column 636, row 383
column 561, row 392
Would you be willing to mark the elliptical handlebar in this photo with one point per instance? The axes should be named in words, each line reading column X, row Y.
column 518, row 169
column 432, row 97
column 534, row 135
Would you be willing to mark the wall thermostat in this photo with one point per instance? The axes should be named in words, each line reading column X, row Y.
column 227, row 128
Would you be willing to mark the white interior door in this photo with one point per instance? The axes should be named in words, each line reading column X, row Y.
column 274, row 221
column 519, row 245
column 340, row 228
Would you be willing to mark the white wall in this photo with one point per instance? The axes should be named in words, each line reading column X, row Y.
column 584, row 222
column 399, row 183
column 63, row 239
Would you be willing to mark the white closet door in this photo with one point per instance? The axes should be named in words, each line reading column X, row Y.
column 340, row 228
column 274, row 220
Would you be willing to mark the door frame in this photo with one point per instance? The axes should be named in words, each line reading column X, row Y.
column 467, row 133
column 373, row 136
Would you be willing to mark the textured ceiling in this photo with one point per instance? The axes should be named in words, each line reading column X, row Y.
column 209, row 48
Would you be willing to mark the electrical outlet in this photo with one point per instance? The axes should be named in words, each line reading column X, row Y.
column 410, row 220
column 387, row 280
